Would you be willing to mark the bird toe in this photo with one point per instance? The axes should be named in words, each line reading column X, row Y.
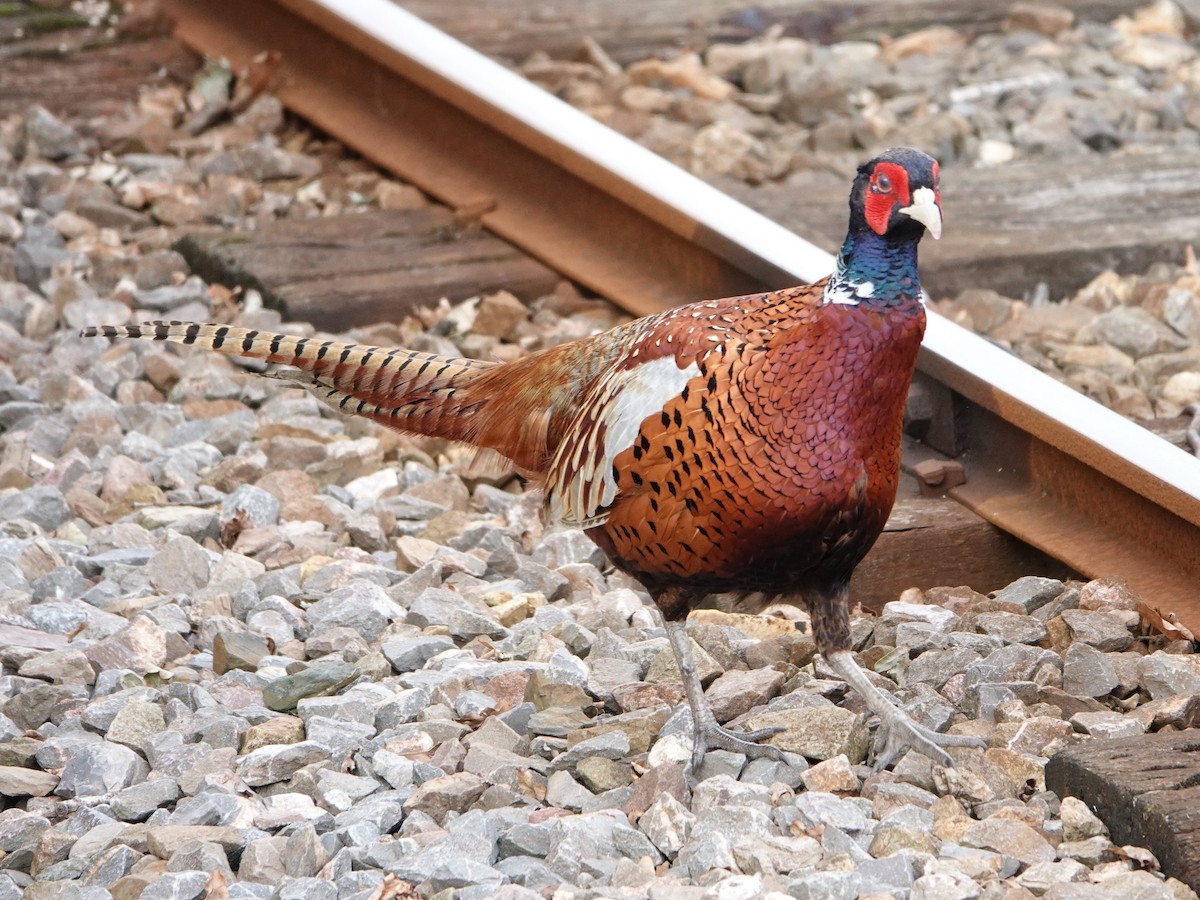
column 899, row 732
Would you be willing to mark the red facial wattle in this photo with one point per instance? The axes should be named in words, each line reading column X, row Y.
column 887, row 189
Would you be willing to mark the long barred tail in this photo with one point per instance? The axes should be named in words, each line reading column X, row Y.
column 416, row 392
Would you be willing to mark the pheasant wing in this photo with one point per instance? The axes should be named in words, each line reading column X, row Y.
column 581, row 484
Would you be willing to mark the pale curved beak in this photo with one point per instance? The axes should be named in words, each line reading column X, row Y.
column 925, row 210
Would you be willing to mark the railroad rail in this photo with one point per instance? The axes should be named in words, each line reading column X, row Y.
column 1043, row 463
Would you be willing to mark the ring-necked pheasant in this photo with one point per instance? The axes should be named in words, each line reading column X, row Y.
column 750, row 444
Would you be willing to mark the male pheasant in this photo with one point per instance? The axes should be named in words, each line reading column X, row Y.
column 748, row 445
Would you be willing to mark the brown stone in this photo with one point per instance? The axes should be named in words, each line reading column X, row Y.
column 279, row 730
column 667, row 778
column 1043, row 18
column 445, row 794
column 736, row 693
column 639, row 695
column 164, row 840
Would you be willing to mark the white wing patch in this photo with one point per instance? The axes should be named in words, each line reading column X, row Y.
column 580, row 484
column 847, row 293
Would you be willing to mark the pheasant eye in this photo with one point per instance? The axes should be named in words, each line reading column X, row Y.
column 882, row 184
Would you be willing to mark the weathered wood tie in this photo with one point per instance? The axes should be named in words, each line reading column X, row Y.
column 1145, row 788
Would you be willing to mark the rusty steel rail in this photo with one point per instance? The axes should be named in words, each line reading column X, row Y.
column 1044, row 463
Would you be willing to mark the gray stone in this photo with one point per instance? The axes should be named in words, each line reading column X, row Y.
column 1169, row 712
column 826, row 809
column 663, row 669
column 1031, row 592
column 608, row 745
column 1078, row 822
column 1015, row 662
column 103, row 711
column 564, row 667
column 945, row 885
column 307, row 889
column 767, row 772
column 525, row 839
column 737, row 692
column 1087, row 671
column 1164, row 675
column 304, row 854
column 668, row 824
column 167, row 297
column 565, row 792
column 182, row 566
column 446, row 794
column 1104, row 631
column 279, row 762
column 410, row 654
column 489, row 762
column 434, row 606
column 23, row 782
column 1090, row 852
column 607, row 673
column 256, row 508
column 528, row 873
column 704, row 852
column 237, row 650
column 465, row 624
column 105, row 868
column 176, row 886
column 396, row 770
column 343, row 708
column 721, row 763
column 164, row 840
column 1011, row 628
column 818, row 732
column 262, row 161
column 723, row 791
column 1107, row 724
column 775, row 854
column 321, row 678
column 46, row 136
column 599, row 775
column 135, row 724
column 1042, row 877
column 69, row 666
column 56, row 750
column 590, row 845
column 45, row 507
column 1010, row 837
column 349, row 788
column 826, row 886
column 64, row 583
column 34, row 260
column 202, row 856
column 136, row 802
column 100, row 769
column 1131, row 330
column 140, row 647
column 360, row 605
column 936, row 667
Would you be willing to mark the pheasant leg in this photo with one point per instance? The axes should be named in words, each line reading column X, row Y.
column 707, row 734
column 898, row 729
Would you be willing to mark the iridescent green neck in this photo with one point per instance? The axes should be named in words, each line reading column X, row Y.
column 875, row 270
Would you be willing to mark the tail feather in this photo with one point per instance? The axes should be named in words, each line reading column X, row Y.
column 416, row 392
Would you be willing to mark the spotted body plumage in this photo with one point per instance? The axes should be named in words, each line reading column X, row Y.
column 750, row 444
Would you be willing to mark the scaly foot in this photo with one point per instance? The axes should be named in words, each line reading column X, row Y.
column 711, row 736
column 898, row 730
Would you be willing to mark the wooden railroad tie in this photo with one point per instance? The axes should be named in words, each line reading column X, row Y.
column 1145, row 788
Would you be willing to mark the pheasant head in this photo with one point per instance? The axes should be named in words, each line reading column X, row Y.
column 894, row 201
